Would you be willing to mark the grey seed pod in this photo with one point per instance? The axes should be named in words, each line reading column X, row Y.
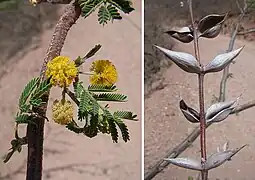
column 185, row 61
column 186, row 163
column 219, row 158
column 221, row 61
column 184, row 34
column 212, row 32
column 190, row 114
column 210, row 21
column 220, row 111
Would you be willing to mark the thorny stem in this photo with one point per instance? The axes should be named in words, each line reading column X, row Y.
column 204, row 173
column 35, row 133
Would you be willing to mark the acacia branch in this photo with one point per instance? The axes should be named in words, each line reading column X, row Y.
column 35, row 133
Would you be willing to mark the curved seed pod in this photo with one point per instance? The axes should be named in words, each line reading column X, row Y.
column 184, row 34
column 185, row 163
column 190, row 114
column 210, row 21
column 221, row 61
column 219, row 158
column 222, row 115
column 185, row 61
column 212, row 32
column 220, row 111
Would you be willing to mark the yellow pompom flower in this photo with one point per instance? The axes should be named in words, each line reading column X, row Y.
column 62, row 112
column 104, row 72
column 62, row 71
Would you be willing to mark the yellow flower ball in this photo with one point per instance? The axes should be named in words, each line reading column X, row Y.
column 104, row 72
column 62, row 71
column 62, row 112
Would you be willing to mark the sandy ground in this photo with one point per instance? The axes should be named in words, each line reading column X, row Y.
column 165, row 125
column 67, row 155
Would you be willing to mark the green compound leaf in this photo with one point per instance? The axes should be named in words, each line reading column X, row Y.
column 36, row 102
column 25, row 108
column 78, row 89
column 27, row 91
column 108, row 13
column 123, row 128
column 22, row 119
column 125, row 115
column 94, row 104
column 85, row 103
column 83, row 115
column 114, row 14
column 103, row 15
column 42, row 88
column 102, row 88
column 91, row 129
column 110, row 97
column 74, row 127
column 108, row 9
column 89, row 6
column 103, row 125
column 112, row 126
column 123, row 5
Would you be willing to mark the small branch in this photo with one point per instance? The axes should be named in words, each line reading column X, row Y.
column 243, row 107
column 72, row 96
column 35, row 133
column 252, row 30
column 225, row 75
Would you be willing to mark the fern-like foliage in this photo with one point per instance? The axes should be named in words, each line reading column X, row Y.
column 27, row 91
column 110, row 97
column 123, row 128
column 78, row 89
column 102, row 88
column 112, row 125
column 108, row 9
column 43, row 87
column 29, row 98
column 125, row 115
column 98, row 118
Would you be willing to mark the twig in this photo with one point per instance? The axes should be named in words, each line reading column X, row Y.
column 72, row 96
column 225, row 75
column 246, row 32
column 35, row 133
column 243, row 107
